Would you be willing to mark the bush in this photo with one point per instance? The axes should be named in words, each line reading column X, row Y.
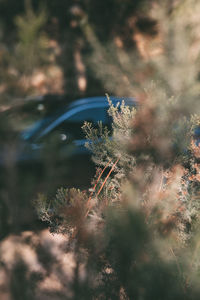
column 136, row 231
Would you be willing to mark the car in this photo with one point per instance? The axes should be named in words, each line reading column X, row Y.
column 63, row 127
column 52, row 148
column 55, row 140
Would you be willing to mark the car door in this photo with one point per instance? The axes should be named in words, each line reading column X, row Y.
column 67, row 131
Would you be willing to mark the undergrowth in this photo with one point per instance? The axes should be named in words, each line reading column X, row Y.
column 136, row 230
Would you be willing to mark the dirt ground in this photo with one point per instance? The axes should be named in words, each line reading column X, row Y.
column 36, row 266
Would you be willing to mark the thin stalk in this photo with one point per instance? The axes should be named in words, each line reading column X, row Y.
column 107, row 176
column 104, row 182
column 99, row 177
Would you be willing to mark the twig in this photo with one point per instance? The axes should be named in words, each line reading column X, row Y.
column 90, row 197
column 104, row 182
column 99, row 177
column 107, row 176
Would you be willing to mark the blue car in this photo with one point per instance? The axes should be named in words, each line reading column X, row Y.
column 64, row 127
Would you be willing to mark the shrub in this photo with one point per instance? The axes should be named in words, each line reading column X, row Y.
column 141, row 216
column 137, row 229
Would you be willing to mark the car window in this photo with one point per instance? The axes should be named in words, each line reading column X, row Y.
column 92, row 114
column 71, row 127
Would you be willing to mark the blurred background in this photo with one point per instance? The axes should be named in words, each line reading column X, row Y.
column 63, row 51
column 69, row 49
column 72, row 47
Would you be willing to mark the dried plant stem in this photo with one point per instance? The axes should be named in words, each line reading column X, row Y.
column 108, row 176
column 99, row 177
column 103, row 183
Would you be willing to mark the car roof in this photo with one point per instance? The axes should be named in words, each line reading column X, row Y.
column 100, row 101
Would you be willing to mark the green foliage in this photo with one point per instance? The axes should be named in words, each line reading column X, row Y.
column 106, row 150
column 157, row 206
column 63, row 211
column 138, row 235
column 31, row 50
column 131, row 263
